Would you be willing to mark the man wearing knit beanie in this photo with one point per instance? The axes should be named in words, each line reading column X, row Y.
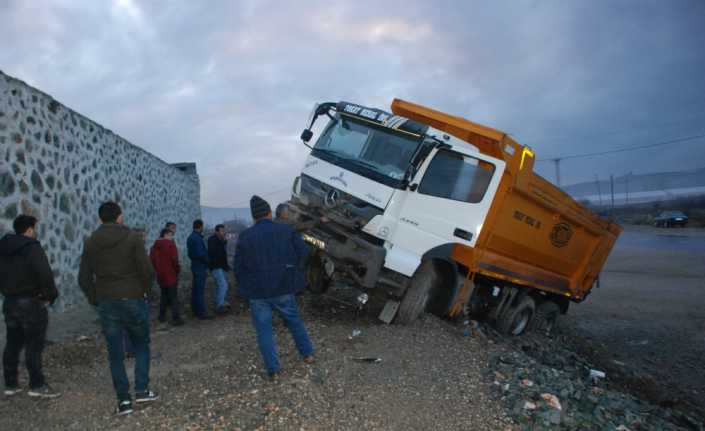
column 268, row 268
column 259, row 208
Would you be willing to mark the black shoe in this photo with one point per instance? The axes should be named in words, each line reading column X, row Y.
column 162, row 319
column 146, row 397
column 206, row 317
column 221, row 311
column 44, row 391
column 124, row 408
column 178, row 322
column 274, row 377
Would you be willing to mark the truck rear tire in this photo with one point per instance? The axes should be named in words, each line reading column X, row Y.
column 517, row 318
column 546, row 317
column 418, row 294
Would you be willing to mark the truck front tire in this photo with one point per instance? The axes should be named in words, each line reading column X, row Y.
column 418, row 294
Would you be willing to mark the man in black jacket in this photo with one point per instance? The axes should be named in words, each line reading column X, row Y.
column 27, row 283
column 218, row 263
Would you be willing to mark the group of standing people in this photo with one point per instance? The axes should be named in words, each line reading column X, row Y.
column 204, row 258
column 116, row 275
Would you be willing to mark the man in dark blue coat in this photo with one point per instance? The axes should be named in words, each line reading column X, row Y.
column 268, row 268
column 198, row 253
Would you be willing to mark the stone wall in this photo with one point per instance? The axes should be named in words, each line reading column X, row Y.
column 60, row 166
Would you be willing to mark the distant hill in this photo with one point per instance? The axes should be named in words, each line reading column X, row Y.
column 213, row 215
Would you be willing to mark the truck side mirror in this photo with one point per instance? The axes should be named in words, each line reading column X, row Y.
column 306, row 135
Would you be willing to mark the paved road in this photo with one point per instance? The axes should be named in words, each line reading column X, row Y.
column 684, row 240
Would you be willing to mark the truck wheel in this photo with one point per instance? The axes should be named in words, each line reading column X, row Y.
column 517, row 319
column 418, row 293
column 546, row 317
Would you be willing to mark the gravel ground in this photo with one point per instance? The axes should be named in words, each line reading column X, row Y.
column 210, row 377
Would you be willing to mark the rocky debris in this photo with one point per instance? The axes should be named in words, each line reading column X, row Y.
column 544, row 383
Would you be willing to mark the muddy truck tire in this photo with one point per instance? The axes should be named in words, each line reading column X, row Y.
column 546, row 317
column 517, row 318
column 422, row 285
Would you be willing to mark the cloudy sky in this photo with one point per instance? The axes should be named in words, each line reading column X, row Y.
column 229, row 84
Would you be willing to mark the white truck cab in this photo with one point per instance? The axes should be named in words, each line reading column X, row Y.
column 392, row 191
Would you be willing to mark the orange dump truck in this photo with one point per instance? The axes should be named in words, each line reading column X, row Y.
column 430, row 212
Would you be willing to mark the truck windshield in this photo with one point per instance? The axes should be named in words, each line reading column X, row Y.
column 374, row 152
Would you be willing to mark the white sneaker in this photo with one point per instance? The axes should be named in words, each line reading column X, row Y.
column 12, row 391
column 43, row 392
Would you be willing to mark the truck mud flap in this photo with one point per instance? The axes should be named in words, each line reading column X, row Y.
column 389, row 311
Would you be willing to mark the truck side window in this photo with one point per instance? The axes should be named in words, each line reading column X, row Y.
column 455, row 176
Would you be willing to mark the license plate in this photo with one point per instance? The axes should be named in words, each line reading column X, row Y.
column 319, row 244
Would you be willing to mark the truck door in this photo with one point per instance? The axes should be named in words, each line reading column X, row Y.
column 447, row 202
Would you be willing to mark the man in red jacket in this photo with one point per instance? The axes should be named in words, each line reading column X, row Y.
column 165, row 260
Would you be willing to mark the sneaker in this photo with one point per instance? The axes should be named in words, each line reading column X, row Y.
column 221, row 311
column 178, row 322
column 146, row 397
column 308, row 359
column 124, row 408
column 43, row 392
column 12, row 390
column 206, row 317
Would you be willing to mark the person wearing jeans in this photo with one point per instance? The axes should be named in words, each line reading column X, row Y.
column 198, row 253
column 28, row 288
column 262, row 312
column 130, row 316
column 268, row 268
column 115, row 275
column 218, row 263
column 26, row 320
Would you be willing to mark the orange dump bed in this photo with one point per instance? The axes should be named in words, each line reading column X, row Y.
column 535, row 234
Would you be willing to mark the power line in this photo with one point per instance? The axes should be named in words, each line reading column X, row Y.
column 621, row 150
column 661, row 126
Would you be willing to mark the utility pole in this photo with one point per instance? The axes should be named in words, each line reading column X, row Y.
column 599, row 192
column 612, row 190
column 557, row 162
column 627, row 184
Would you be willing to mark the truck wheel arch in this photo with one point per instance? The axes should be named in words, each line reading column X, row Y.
column 450, row 272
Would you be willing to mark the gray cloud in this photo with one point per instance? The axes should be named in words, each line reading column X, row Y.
column 229, row 85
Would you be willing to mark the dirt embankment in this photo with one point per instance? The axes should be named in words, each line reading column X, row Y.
column 646, row 324
column 210, row 377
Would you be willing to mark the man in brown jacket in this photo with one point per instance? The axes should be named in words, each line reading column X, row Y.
column 115, row 276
